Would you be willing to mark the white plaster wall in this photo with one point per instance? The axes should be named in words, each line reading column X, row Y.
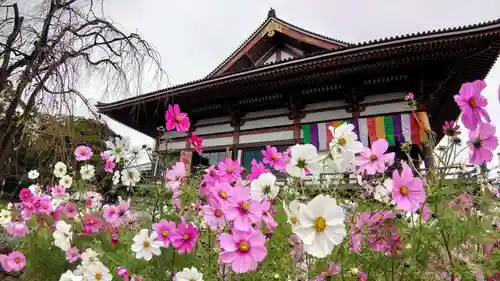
column 162, row 146
column 266, row 113
column 274, row 136
column 385, row 108
column 383, row 97
column 173, row 145
column 173, row 134
column 218, row 141
column 321, row 105
column 240, row 154
column 214, row 129
column 330, row 115
column 213, row 120
column 265, row 123
column 285, row 56
column 271, row 59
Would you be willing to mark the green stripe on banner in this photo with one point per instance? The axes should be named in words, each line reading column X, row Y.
column 389, row 130
column 306, row 129
column 348, row 121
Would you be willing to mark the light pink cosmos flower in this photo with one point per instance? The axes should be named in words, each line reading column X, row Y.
column 58, row 191
column 267, row 215
column 109, row 213
column 177, row 119
column 407, row 191
column 164, row 229
column 104, row 156
column 83, row 153
column 222, row 191
column 122, row 213
column 17, row 229
column 25, row 195
column 257, row 169
column 42, row 204
column 452, row 129
column 472, row 104
column 211, row 176
column 482, row 142
column 243, row 249
column 229, row 170
column 273, row 157
column 196, row 142
column 174, row 175
column 185, row 237
column 213, row 215
column 375, row 160
column 72, row 255
column 70, row 210
column 242, row 209
column 15, row 261
column 356, row 231
column 92, row 223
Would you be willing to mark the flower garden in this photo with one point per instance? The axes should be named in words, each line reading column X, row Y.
column 225, row 223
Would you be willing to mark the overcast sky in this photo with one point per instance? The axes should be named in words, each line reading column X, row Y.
column 194, row 36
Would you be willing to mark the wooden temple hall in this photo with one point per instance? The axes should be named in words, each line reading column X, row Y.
column 285, row 85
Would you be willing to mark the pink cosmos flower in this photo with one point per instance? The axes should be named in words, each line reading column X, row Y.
column 243, row 249
column 109, row 213
column 15, row 261
column 410, row 96
column 110, row 166
column 174, row 175
column 104, row 156
column 222, row 192
column 463, row 201
column 72, row 255
column 213, row 215
column 92, row 223
column 425, row 212
column 374, row 160
column 205, row 188
column 273, row 157
column 70, row 210
column 58, row 191
column 83, row 153
column 472, row 104
column 17, row 229
column 42, row 205
column 164, row 229
column 451, row 128
column 242, row 209
column 482, row 142
column 229, row 169
column 257, row 170
column 177, row 119
column 333, row 269
column 267, row 215
column 211, row 176
column 407, row 191
column 25, row 194
column 122, row 213
column 356, row 232
column 184, row 238
column 196, row 142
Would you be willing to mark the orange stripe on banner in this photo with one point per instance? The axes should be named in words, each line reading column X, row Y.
column 425, row 126
column 415, row 130
column 379, row 127
column 372, row 133
column 329, row 136
column 337, row 123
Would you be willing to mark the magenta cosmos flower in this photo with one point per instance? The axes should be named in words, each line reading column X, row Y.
column 229, row 170
column 243, row 249
column 177, row 119
column 164, row 229
column 242, row 209
column 184, row 238
column 83, row 153
column 213, row 215
column 17, row 229
column 482, row 142
column 25, row 195
column 92, row 223
column 273, row 157
column 472, row 104
column 196, row 142
column 258, row 168
column 407, row 191
column 70, row 210
column 375, row 160
column 450, row 128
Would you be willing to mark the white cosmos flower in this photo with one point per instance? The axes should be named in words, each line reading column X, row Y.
column 60, row 169
column 87, row 172
column 70, row 276
column 304, row 159
column 264, row 187
column 293, row 211
column 345, row 139
column 97, row 272
column 117, row 149
column 131, row 176
column 9, row 206
column 339, row 161
column 145, row 245
column 5, row 217
column 116, row 177
column 382, row 191
column 89, row 258
column 66, row 181
column 321, row 226
column 62, row 235
column 189, row 275
column 35, row 189
column 33, row 174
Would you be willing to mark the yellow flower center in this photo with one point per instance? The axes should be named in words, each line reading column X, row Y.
column 342, row 141
column 98, row 276
column 472, row 103
column 373, row 157
column 146, row 244
column 244, row 206
column 320, row 224
column 274, row 157
column 186, row 236
column 404, row 190
column 229, row 170
column 18, row 260
column 178, row 118
column 244, row 246
column 91, row 221
column 195, row 143
column 218, row 213
column 294, row 220
column 164, row 233
column 223, row 195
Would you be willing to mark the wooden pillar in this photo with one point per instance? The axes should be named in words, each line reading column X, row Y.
column 296, row 129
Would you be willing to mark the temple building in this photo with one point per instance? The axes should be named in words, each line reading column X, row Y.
column 286, row 85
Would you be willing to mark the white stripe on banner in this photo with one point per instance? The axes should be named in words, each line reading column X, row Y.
column 322, row 136
column 406, row 126
column 363, row 131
